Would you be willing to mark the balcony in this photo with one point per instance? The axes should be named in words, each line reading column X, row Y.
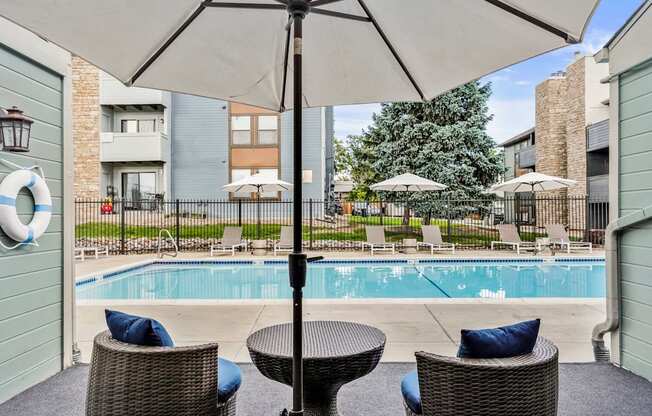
column 527, row 157
column 134, row 147
column 113, row 92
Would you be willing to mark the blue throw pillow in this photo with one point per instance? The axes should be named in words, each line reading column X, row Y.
column 506, row 341
column 137, row 330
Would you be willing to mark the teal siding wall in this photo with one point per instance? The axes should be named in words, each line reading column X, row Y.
column 636, row 244
column 31, row 291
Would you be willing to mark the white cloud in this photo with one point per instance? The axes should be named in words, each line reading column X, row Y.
column 510, row 118
column 522, row 83
column 594, row 40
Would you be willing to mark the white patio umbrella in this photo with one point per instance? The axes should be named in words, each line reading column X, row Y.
column 258, row 183
column 534, row 182
column 355, row 51
column 407, row 182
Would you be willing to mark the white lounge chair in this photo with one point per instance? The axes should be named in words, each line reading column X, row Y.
column 230, row 241
column 432, row 238
column 509, row 237
column 286, row 242
column 376, row 240
column 559, row 236
column 96, row 252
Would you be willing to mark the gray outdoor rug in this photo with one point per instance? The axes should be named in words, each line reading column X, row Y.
column 586, row 389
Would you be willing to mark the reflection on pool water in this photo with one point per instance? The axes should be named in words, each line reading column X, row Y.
column 355, row 281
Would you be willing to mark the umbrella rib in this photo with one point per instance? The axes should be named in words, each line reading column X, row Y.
column 340, row 15
column 169, row 41
column 391, row 48
column 317, row 3
column 255, row 6
column 531, row 19
column 288, row 29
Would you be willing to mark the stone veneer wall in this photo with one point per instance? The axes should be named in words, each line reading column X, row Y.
column 86, row 128
column 576, row 126
column 551, row 114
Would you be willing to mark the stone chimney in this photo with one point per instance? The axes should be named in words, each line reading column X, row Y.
column 551, row 125
column 576, row 126
column 86, row 128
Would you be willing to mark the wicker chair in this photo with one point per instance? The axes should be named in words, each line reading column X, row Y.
column 519, row 386
column 127, row 380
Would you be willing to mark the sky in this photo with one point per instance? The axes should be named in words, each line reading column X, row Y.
column 512, row 101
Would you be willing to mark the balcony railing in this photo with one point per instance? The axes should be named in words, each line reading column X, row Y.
column 527, row 157
column 113, row 92
column 134, row 147
column 598, row 187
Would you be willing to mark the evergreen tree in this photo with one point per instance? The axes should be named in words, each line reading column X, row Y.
column 444, row 140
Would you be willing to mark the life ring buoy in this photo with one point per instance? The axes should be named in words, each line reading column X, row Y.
column 9, row 221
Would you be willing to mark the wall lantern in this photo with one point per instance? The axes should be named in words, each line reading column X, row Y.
column 15, row 129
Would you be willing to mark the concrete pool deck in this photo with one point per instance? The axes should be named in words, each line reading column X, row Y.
column 429, row 325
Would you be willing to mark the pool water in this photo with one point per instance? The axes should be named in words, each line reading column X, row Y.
column 582, row 279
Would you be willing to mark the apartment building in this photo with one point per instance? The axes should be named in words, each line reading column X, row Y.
column 570, row 138
column 142, row 144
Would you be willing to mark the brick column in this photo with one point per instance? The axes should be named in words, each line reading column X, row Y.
column 86, row 128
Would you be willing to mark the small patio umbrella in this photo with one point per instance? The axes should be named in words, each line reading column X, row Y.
column 355, row 51
column 407, row 182
column 258, row 183
column 534, row 182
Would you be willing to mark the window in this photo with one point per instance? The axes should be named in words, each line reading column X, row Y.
column 267, row 130
column 236, row 175
column 241, row 130
column 138, row 126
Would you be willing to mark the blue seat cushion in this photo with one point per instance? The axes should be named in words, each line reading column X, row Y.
column 506, row 341
column 229, row 379
column 137, row 330
column 410, row 391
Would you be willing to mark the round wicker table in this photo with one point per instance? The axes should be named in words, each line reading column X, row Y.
column 335, row 353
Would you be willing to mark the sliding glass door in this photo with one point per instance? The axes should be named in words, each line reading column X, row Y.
column 138, row 189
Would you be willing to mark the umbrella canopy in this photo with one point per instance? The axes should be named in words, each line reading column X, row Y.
column 259, row 183
column 354, row 51
column 534, row 182
column 407, row 182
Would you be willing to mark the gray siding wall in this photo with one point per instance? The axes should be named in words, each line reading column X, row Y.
column 312, row 151
column 200, row 151
column 31, row 292
column 635, row 146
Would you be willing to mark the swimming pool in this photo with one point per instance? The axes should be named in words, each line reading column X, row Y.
column 352, row 280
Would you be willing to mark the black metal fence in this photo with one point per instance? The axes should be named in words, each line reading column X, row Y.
column 126, row 226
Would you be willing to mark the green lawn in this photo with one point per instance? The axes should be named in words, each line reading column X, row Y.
column 352, row 231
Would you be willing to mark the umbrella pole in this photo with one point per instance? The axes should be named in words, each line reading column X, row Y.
column 297, row 260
